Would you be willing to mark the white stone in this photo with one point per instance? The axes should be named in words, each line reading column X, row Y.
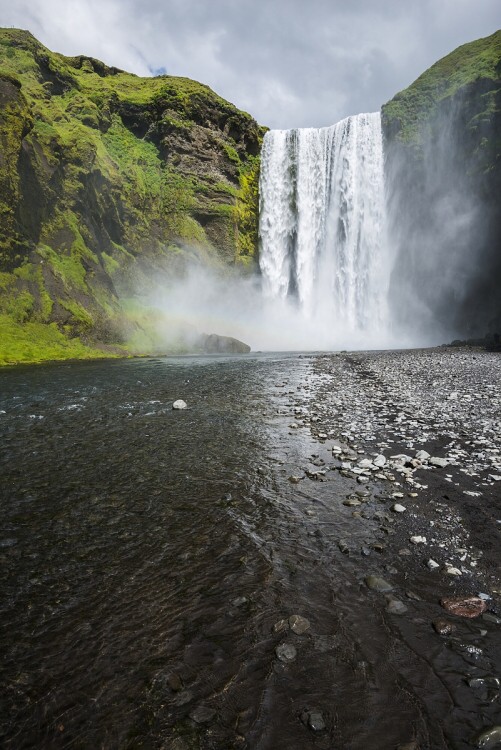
column 418, row 539
column 179, row 404
column 432, row 565
column 440, row 462
column 398, row 508
column 452, row 571
column 379, row 461
column 422, row 455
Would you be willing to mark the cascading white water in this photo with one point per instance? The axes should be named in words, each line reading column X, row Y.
column 322, row 225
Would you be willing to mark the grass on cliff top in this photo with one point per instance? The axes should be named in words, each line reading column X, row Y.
column 468, row 63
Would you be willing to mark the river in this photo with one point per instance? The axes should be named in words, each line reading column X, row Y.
column 148, row 557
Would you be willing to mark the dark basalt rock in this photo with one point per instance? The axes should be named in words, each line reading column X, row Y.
column 215, row 344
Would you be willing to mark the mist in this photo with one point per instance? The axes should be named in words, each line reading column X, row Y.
column 205, row 301
column 444, row 228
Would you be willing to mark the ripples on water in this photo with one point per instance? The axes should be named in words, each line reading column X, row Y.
column 147, row 553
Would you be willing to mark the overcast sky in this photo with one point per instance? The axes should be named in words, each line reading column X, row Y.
column 290, row 63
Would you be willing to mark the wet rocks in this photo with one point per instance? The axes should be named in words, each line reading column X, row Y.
column 280, row 626
column 464, row 606
column 316, row 721
column 375, row 583
column 395, row 606
column 286, row 653
column 439, row 462
column 418, row 539
column 298, row 624
column 443, row 626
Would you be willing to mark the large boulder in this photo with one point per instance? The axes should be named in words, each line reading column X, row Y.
column 214, row 344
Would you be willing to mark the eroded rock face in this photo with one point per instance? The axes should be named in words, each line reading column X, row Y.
column 103, row 191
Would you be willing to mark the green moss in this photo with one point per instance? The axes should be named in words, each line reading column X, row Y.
column 247, row 214
column 111, row 265
column 410, row 108
column 38, row 342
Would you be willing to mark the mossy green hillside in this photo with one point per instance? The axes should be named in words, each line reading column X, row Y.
column 475, row 65
column 106, row 179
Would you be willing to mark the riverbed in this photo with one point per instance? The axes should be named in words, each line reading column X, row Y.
column 199, row 578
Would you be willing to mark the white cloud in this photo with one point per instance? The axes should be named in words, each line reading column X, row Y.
column 288, row 62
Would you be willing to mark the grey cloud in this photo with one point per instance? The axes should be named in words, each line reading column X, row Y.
column 288, row 62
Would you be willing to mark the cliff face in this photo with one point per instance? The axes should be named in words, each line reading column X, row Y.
column 107, row 179
column 443, row 172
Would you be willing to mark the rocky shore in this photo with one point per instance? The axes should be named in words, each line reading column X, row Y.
column 416, row 438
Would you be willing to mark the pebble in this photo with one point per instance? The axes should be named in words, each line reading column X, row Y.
column 179, row 404
column 397, row 508
column 440, row 462
column 375, row 583
column 451, row 571
column 432, row 564
column 418, row 539
column 396, row 607
column 464, row 606
column 280, row 626
column 443, row 626
column 298, row 624
column 286, row 652
column 316, row 721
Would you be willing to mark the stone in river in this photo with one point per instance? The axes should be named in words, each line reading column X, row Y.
column 286, row 652
column 298, row 624
column 443, row 626
column 464, row 606
column 179, row 404
column 375, row 583
column 202, row 714
column 396, row 607
column 215, row 344
column 280, row 626
column 316, row 721
column 489, row 738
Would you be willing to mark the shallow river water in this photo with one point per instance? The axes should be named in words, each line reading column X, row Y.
column 147, row 554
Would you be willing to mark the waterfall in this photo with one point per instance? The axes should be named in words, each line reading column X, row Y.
column 322, row 225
